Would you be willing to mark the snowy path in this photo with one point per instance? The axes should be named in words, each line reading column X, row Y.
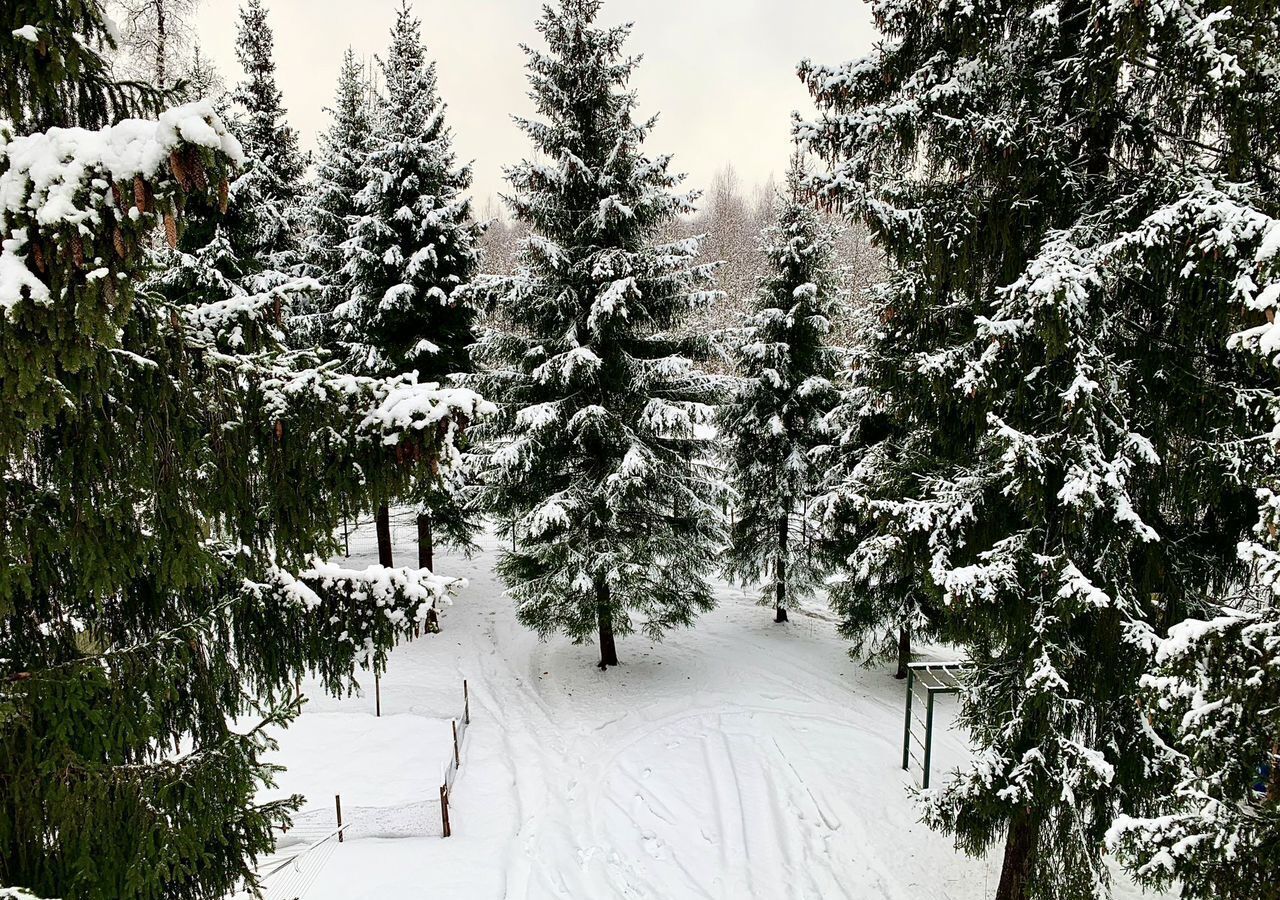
column 738, row 759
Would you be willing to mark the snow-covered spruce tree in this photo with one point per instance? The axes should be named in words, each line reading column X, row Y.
column 331, row 205
column 598, row 461
column 877, row 580
column 272, row 185
column 202, row 80
column 170, row 475
column 248, row 254
column 1214, row 689
column 773, row 423
column 413, row 246
column 1063, row 192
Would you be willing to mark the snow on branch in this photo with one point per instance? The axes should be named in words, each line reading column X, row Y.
column 399, row 592
column 50, row 175
column 73, row 199
column 364, row 610
column 406, row 406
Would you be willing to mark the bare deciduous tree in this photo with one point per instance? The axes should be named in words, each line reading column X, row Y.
column 156, row 37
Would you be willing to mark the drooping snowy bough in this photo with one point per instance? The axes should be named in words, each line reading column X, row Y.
column 174, row 473
column 1214, row 688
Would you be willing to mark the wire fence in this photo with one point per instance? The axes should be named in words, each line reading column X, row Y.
column 289, row 874
column 404, row 531
column 421, row 819
column 304, row 848
column 452, row 766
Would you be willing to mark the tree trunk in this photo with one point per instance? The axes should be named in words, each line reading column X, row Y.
column 1273, row 788
column 604, row 612
column 1019, row 859
column 780, row 568
column 162, row 41
column 904, row 650
column 904, row 640
column 382, row 521
column 425, row 542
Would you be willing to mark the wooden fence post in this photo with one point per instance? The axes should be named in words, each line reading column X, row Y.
column 466, row 703
column 444, row 810
column 337, row 803
column 457, row 760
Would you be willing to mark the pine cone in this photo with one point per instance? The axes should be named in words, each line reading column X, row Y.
column 117, row 194
column 117, row 238
column 37, row 254
column 224, row 194
column 142, row 196
column 77, row 250
column 171, row 230
column 109, row 289
column 195, row 165
column 179, row 169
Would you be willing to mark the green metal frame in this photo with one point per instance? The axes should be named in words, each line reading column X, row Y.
column 937, row 678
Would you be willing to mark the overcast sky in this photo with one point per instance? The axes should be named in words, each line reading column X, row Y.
column 720, row 72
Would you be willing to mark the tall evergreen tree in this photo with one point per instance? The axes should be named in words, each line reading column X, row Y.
column 203, row 81
column 774, row 422
column 878, row 580
column 413, row 246
column 598, row 461
column 1067, row 427
column 272, row 186
column 247, row 256
column 170, row 471
column 339, row 178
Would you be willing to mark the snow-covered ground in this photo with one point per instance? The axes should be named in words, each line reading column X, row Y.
column 737, row 759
